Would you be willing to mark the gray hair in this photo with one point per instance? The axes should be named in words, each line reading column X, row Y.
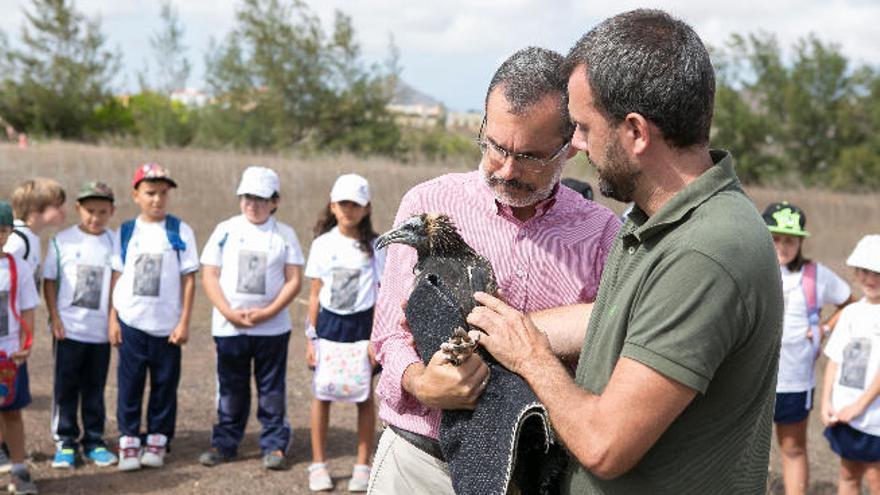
column 648, row 62
column 528, row 76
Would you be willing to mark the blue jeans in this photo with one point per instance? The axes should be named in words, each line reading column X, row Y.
column 139, row 353
column 234, row 358
column 80, row 376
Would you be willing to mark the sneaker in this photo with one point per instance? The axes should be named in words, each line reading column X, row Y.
column 101, row 457
column 319, row 478
column 213, row 457
column 360, row 478
column 129, row 453
column 64, row 459
column 154, row 453
column 21, row 483
column 5, row 463
column 274, row 460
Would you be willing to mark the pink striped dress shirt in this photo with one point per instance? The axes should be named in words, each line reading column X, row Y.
column 554, row 258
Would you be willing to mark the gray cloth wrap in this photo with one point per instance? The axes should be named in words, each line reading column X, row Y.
column 507, row 438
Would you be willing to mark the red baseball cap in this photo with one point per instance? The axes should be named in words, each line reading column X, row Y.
column 151, row 171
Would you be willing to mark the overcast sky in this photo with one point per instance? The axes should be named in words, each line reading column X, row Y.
column 450, row 48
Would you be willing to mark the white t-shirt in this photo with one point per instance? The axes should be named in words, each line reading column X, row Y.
column 796, row 363
column 26, row 298
column 855, row 347
column 252, row 260
column 16, row 245
column 84, row 288
column 349, row 277
column 147, row 295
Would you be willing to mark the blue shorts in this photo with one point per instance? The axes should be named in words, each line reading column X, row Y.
column 852, row 444
column 791, row 407
column 22, row 391
column 344, row 328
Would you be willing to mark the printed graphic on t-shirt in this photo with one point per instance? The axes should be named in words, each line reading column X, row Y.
column 854, row 369
column 147, row 272
column 4, row 313
column 344, row 290
column 89, row 279
column 252, row 272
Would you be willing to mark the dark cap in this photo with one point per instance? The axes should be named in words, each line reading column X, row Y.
column 95, row 190
column 5, row 214
column 785, row 218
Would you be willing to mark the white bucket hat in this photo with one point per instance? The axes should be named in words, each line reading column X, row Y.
column 259, row 181
column 866, row 254
column 351, row 187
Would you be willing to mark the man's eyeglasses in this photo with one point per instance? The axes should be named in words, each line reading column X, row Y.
column 527, row 160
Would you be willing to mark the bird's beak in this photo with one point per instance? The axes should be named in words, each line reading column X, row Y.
column 394, row 236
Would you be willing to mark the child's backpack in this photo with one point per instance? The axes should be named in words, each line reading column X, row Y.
column 172, row 232
column 808, row 283
column 26, row 241
column 8, row 368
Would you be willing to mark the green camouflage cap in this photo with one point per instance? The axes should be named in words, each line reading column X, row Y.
column 5, row 213
column 95, row 189
column 786, row 218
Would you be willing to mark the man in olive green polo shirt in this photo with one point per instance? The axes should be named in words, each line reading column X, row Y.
column 676, row 376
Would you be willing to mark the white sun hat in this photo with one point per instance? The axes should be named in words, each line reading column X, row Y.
column 351, row 187
column 866, row 254
column 259, row 181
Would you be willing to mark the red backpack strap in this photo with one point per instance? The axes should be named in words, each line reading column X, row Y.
column 13, row 292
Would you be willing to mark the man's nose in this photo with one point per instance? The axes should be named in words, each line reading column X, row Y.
column 508, row 168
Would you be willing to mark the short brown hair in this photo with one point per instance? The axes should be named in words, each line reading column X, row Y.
column 35, row 195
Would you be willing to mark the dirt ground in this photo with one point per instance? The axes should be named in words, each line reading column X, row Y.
column 196, row 414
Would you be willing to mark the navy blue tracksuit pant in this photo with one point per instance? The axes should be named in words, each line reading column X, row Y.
column 235, row 357
column 80, row 376
column 141, row 352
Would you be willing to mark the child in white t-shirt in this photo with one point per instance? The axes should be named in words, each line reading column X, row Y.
column 251, row 271
column 154, row 264
column 18, row 298
column 77, row 274
column 345, row 269
column 807, row 287
column 37, row 204
column 850, row 403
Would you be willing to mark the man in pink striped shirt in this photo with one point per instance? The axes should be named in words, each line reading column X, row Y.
column 546, row 243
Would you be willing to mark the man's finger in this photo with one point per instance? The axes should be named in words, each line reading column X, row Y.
column 485, row 319
column 493, row 303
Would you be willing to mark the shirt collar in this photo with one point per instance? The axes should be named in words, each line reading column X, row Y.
column 718, row 177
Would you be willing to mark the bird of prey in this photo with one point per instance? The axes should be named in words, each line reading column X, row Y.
column 506, row 441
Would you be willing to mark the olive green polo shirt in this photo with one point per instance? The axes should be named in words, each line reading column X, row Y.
column 693, row 292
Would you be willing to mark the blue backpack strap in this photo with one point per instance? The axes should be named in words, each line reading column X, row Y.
column 125, row 233
column 172, row 231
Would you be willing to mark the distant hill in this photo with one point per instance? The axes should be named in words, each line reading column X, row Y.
column 406, row 95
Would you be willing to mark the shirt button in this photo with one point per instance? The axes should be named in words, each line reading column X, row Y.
column 631, row 250
column 520, row 273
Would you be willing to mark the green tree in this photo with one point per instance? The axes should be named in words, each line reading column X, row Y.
column 169, row 53
column 60, row 75
column 282, row 81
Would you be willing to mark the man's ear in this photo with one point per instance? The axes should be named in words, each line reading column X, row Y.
column 637, row 131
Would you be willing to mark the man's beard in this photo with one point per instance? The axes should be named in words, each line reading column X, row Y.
column 617, row 175
column 534, row 194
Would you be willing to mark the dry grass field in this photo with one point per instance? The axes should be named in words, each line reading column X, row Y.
column 207, row 182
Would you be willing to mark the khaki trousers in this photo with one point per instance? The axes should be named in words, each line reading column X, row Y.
column 400, row 468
